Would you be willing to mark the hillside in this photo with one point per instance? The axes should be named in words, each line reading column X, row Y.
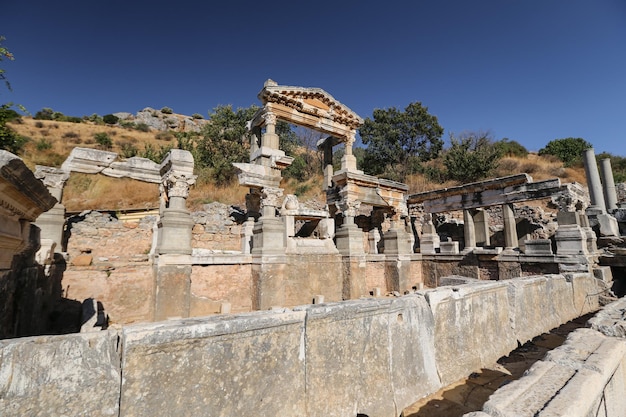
column 51, row 141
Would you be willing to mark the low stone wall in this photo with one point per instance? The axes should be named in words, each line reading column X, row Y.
column 370, row 356
column 586, row 376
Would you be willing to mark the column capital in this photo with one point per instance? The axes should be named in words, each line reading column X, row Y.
column 177, row 184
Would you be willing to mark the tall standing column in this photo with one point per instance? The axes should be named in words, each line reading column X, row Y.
column 172, row 287
column 610, row 195
column 593, row 180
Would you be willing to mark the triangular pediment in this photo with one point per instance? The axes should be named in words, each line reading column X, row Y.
column 313, row 101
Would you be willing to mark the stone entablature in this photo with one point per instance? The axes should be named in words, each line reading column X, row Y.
column 23, row 198
column 94, row 161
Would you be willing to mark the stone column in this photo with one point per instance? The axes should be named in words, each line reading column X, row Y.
column 172, row 288
column 253, row 211
column 510, row 230
column 397, row 240
column 269, row 231
column 328, row 164
column 469, row 231
column 52, row 222
column 176, row 222
column 429, row 242
column 348, row 161
column 610, row 195
column 481, row 226
column 270, row 139
column 593, row 181
column 349, row 237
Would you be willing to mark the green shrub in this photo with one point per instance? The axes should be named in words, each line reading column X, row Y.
column 128, row 150
column 197, row 116
column 103, row 140
column 568, row 150
column 508, row 147
column 110, row 119
column 39, row 125
column 471, row 157
column 142, row 127
column 43, row 145
column 167, row 110
column 44, row 114
column 166, row 136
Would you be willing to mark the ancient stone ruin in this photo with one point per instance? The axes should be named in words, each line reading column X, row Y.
column 360, row 307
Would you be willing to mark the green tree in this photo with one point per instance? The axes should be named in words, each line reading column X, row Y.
column 4, row 54
column 507, row 147
column 399, row 140
column 223, row 141
column 471, row 157
column 568, row 150
column 110, row 119
column 9, row 139
column 103, row 140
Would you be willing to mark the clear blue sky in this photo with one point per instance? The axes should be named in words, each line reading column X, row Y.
column 531, row 70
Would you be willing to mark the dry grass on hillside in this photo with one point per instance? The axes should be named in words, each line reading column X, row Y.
column 51, row 141
column 62, row 137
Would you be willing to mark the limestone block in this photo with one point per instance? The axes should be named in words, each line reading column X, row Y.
column 539, row 304
column 586, row 292
column 611, row 320
column 219, row 366
column 88, row 161
column 472, row 327
column 137, row 168
column 69, row 375
column 538, row 247
column 376, row 350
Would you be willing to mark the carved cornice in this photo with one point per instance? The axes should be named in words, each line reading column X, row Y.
column 304, row 100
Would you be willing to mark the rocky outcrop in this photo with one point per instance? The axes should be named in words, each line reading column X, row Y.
column 157, row 120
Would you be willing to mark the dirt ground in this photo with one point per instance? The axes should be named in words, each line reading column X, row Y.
column 471, row 393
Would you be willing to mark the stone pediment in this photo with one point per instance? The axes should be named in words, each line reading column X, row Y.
column 313, row 101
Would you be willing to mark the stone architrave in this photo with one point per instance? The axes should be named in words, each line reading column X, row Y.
column 610, row 194
column 52, row 222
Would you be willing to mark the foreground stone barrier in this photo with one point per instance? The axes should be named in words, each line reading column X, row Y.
column 369, row 357
column 365, row 356
column 217, row 366
column 586, row 376
column 473, row 327
column 69, row 375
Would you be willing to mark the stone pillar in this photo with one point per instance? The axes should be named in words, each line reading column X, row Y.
column 348, row 161
column 510, row 229
column 593, row 181
column 610, row 195
column 172, row 289
column 328, row 164
column 349, row 238
column 570, row 238
column 269, row 231
column 592, row 239
column 469, row 231
column 176, row 222
column 270, row 139
column 397, row 240
column 429, row 242
column 52, row 222
column 372, row 239
column 481, row 226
